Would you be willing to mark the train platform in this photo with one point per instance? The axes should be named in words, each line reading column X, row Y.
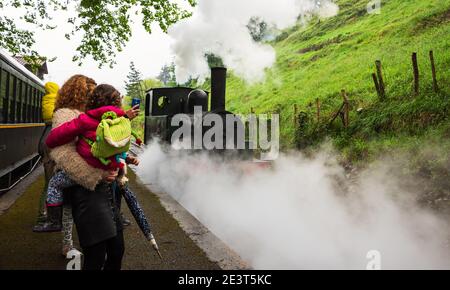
column 22, row 249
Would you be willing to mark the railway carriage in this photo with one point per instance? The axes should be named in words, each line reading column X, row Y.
column 21, row 124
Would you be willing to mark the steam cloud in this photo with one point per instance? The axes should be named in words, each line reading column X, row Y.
column 219, row 27
column 295, row 216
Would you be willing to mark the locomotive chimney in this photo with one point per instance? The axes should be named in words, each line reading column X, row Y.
column 218, row 87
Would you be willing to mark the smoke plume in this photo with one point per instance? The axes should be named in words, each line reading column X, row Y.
column 302, row 213
column 219, row 27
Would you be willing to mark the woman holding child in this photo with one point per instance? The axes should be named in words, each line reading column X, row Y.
column 92, row 190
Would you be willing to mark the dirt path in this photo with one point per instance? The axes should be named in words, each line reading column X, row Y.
column 20, row 248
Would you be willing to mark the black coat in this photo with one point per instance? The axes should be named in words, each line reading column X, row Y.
column 96, row 213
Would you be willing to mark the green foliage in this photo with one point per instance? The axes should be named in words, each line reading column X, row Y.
column 167, row 75
column 148, row 84
column 133, row 83
column 105, row 25
column 15, row 40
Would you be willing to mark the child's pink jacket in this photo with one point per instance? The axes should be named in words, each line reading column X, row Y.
column 85, row 126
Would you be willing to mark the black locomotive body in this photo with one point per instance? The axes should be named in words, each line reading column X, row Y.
column 21, row 123
column 162, row 104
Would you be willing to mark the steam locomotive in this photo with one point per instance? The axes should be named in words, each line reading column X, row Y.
column 162, row 104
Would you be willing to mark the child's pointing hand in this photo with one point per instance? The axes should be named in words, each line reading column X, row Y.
column 132, row 160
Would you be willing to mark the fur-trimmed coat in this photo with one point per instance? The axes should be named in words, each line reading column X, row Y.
column 86, row 126
column 67, row 158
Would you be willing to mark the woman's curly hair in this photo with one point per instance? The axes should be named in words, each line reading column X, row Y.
column 104, row 95
column 75, row 93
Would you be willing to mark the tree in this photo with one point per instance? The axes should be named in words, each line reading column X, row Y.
column 167, row 75
column 214, row 60
column 258, row 28
column 148, row 84
column 104, row 24
column 133, row 83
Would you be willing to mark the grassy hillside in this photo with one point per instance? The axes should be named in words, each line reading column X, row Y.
column 325, row 56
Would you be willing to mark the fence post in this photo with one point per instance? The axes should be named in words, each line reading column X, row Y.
column 377, row 85
column 346, row 108
column 380, row 79
column 338, row 112
column 415, row 72
column 433, row 72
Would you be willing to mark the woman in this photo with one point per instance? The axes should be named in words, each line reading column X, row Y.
column 70, row 102
column 95, row 204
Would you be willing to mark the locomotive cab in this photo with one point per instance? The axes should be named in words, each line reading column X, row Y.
column 164, row 103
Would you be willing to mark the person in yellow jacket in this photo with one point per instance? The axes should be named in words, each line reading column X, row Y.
column 48, row 101
column 48, row 106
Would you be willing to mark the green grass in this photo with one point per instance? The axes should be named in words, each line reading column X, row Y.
column 325, row 56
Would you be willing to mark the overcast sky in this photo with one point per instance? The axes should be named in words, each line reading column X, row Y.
column 148, row 51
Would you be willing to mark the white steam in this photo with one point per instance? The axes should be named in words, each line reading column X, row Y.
column 219, row 27
column 296, row 216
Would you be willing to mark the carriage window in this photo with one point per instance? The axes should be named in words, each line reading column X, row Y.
column 2, row 94
column 41, row 95
column 25, row 103
column 19, row 101
column 12, row 102
column 39, row 107
column 5, row 94
column 29, row 106
column 35, row 108
column 33, row 104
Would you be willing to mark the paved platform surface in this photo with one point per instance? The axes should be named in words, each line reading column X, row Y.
column 20, row 248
